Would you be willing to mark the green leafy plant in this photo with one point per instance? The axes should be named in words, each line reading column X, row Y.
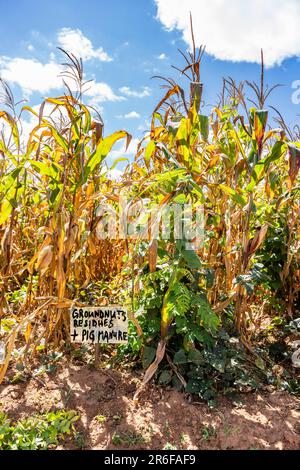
column 101, row 419
column 169, row 446
column 127, row 439
column 208, row 432
column 37, row 432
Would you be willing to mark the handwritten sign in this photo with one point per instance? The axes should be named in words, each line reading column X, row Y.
column 107, row 324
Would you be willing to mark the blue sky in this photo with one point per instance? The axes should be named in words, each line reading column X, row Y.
column 126, row 42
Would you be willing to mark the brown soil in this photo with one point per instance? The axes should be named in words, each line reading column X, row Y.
column 161, row 418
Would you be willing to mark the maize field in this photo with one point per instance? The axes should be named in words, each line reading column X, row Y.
column 207, row 319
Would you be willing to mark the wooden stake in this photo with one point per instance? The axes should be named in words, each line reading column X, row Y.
column 97, row 354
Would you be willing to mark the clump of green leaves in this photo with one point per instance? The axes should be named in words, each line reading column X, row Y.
column 219, row 368
column 174, row 286
column 208, row 432
column 127, row 439
column 169, row 446
column 203, row 349
column 101, row 419
column 36, row 432
column 176, row 283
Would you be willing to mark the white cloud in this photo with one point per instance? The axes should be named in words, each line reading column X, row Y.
column 126, row 90
column 100, row 92
column 73, row 40
column 162, row 56
column 236, row 30
column 33, row 76
column 30, row 47
column 30, row 74
column 130, row 115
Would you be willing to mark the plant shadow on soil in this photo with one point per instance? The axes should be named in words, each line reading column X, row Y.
column 162, row 419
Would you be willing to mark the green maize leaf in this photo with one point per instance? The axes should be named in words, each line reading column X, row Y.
column 182, row 140
column 259, row 170
column 60, row 139
column 179, row 173
column 232, row 151
column 257, row 175
column 159, row 117
column 55, row 192
column 15, row 173
column 44, row 169
column 180, row 199
column 204, row 126
column 279, row 149
column 192, row 259
column 5, row 211
column 149, row 152
column 273, row 179
column 198, row 190
column 252, row 158
column 234, row 195
column 103, row 149
column 167, row 313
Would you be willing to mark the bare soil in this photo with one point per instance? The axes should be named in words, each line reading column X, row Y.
column 163, row 418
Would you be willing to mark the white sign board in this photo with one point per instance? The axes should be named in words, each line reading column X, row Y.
column 106, row 324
